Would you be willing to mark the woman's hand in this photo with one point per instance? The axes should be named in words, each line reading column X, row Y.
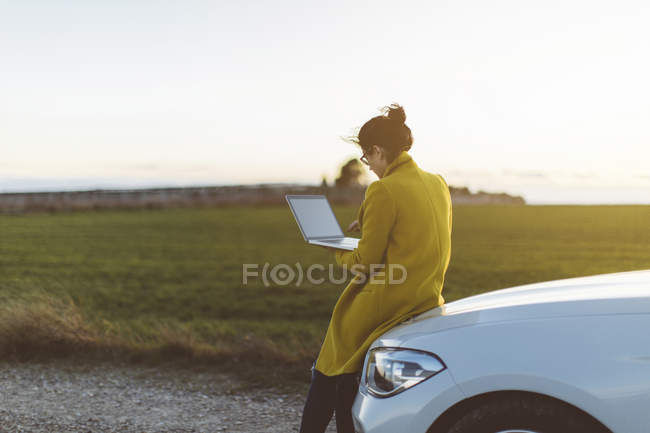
column 354, row 226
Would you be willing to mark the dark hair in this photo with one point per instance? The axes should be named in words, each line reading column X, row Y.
column 387, row 131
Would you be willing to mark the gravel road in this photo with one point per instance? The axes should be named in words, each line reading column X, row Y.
column 75, row 397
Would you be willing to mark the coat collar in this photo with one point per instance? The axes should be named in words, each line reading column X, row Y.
column 401, row 159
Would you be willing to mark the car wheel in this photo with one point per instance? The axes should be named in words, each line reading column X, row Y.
column 525, row 414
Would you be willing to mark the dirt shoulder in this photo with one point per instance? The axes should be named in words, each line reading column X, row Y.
column 69, row 396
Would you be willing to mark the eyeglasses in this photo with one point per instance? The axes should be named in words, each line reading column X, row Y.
column 364, row 159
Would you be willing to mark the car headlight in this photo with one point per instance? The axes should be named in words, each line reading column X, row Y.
column 393, row 370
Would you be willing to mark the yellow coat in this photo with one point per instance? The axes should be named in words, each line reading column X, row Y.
column 405, row 219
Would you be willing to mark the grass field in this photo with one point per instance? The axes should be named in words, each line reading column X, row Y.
column 166, row 285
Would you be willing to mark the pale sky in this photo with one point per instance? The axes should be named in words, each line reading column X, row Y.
column 548, row 100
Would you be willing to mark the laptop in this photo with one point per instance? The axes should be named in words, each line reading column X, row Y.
column 317, row 222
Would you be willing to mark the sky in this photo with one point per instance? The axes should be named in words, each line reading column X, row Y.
column 547, row 100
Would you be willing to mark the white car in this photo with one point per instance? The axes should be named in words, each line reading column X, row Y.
column 562, row 356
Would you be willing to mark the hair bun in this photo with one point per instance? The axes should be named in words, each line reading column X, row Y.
column 396, row 113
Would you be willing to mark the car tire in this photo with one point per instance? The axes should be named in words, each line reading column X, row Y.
column 525, row 414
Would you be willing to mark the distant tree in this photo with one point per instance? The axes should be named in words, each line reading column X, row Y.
column 459, row 190
column 323, row 183
column 350, row 175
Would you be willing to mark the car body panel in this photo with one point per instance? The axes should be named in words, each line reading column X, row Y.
column 584, row 340
column 411, row 411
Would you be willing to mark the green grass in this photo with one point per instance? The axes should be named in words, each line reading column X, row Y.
column 169, row 282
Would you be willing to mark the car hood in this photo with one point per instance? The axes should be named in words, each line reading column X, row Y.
column 616, row 293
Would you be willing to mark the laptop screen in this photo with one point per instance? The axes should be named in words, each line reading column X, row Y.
column 315, row 217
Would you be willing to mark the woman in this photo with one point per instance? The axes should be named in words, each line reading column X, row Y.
column 405, row 220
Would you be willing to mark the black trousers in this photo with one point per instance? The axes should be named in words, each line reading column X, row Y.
column 326, row 395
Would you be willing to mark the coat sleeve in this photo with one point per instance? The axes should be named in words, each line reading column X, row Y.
column 379, row 214
column 450, row 203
